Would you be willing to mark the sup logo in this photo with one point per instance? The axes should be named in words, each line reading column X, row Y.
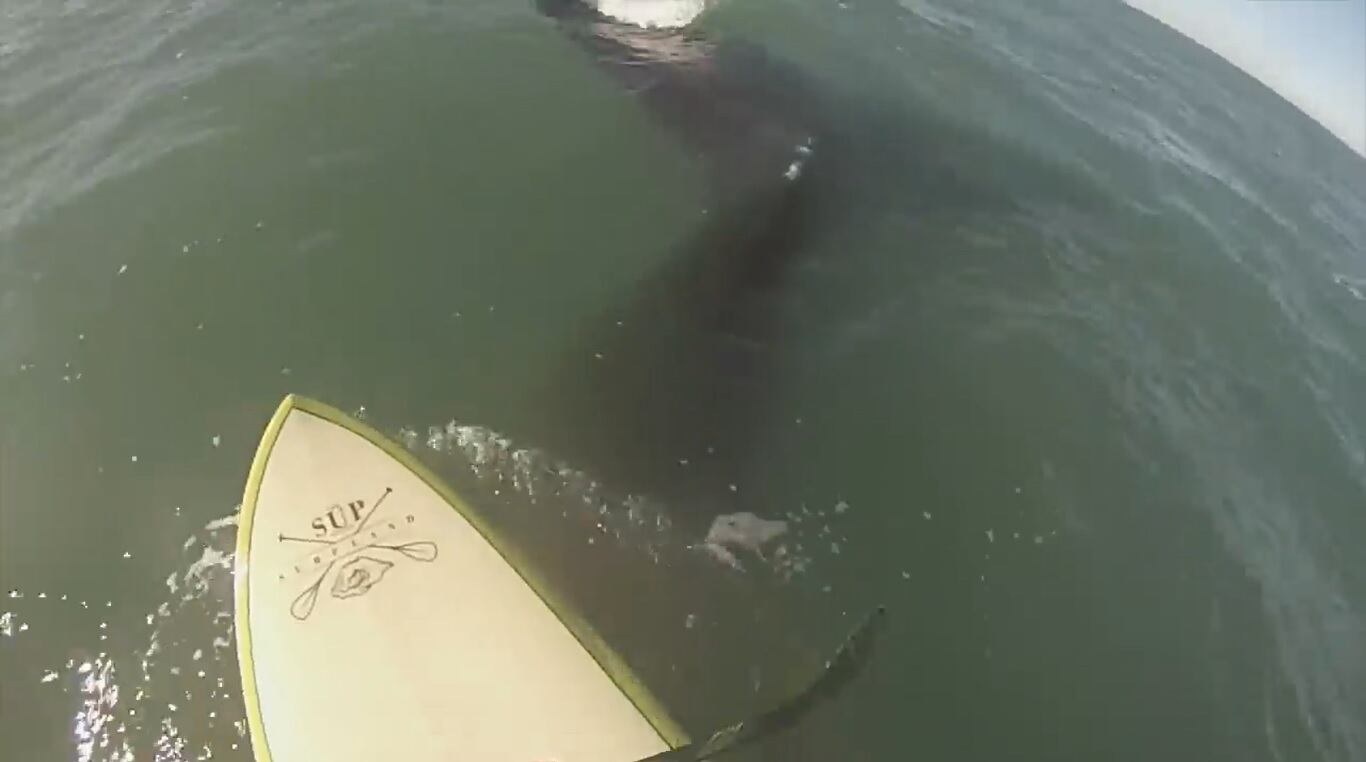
column 355, row 551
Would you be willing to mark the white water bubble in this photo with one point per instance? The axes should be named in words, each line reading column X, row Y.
column 48, row 676
column 990, row 536
column 926, row 514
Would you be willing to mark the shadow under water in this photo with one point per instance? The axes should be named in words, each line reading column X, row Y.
column 669, row 394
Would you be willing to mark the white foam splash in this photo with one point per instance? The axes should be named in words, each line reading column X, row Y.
column 226, row 521
column 637, row 522
column 99, row 691
column 633, row 521
column 653, row 14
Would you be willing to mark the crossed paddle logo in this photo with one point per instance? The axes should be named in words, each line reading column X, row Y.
column 358, row 559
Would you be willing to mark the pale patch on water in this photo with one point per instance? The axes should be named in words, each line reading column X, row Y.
column 1355, row 286
column 741, row 531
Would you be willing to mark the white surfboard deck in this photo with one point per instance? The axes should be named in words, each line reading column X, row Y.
column 378, row 618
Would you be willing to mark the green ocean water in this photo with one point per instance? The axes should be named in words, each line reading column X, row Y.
column 1081, row 405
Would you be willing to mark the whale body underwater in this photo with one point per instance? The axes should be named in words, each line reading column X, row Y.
column 671, row 393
